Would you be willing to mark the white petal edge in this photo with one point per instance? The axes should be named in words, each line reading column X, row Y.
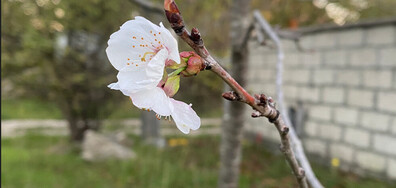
column 124, row 46
column 184, row 116
column 153, row 99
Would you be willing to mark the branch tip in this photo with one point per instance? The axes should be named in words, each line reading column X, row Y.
column 196, row 36
column 174, row 17
column 170, row 5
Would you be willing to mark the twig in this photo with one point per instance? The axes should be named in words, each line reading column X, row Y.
column 296, row 143
column 263, row 105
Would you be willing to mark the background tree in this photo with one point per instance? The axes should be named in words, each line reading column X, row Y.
column 55, row 50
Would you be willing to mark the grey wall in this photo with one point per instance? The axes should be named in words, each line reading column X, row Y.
column 345, row 82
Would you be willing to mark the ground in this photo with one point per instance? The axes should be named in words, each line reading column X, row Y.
column 49, row 161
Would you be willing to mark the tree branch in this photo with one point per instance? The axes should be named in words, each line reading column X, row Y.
column 263, row 105
column 296, row 143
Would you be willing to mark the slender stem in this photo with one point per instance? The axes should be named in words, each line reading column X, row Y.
column 177, row 71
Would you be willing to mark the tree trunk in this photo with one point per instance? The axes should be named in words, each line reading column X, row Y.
column 78, row 127
column 230, row 148
column 150, row 128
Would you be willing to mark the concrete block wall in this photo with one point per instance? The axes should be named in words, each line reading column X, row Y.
column 344, row 83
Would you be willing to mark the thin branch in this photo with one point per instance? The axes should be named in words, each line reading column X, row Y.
column 149, row 6
column 263, row 105
column 296, row 143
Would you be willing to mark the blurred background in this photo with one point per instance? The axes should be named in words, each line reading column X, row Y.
column 54, row 77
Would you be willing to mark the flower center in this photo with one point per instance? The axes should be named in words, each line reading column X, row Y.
column 143, row 59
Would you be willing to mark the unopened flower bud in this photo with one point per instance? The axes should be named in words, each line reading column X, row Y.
column 172, row 85
column 173, row 65
column 194, row 63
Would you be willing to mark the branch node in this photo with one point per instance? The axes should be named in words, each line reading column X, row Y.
column 301, row 173
column 284, row 130
column 231, row 96
column 272, row 120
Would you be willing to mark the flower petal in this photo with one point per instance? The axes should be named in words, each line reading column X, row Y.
column 171, row 44
column 136, row 43
column 131, row 81
column 153, row 99
column 184, row 116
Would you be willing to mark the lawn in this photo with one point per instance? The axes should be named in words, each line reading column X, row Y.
column 44, row 161
column 31, row 108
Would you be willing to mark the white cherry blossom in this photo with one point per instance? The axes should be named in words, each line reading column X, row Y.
column 139, row 51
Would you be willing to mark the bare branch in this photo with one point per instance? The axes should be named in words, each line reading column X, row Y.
column 296, row 143
column 262, row 104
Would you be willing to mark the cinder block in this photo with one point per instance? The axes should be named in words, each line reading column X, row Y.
column 391, row 172
column 301, row 76
column 351, row 37
column 371, row 161
column 363, row 57
column 315, row 146
column 381, row 35
column 269, row 60
column 361, row 98
column 307, row 41
column 346, row 116
column 388, row 56
column 309, row 94
column 288, row 76
column 375, row 121
column 290, row 91
column 357, row 137
column 378, row 79
column 348, row 77
column 323, row 77
column 330, row 131
column 288, row 45
column 387, row 101
column 336, row 58
column 266, row 75
column 255, row 60
column 292, row 59
column 324, row 40
column 333, row 95
column 393, row 126
column 311, row 59
column 385, row 143
column 311, row 128
column 342, row 151
column 320, row 112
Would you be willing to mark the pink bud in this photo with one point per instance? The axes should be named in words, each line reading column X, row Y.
column 173, row 65
column 194, row 63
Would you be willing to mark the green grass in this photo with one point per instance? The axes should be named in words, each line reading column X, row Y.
column 31, row 108
column 28, row 109
column 43, row 161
